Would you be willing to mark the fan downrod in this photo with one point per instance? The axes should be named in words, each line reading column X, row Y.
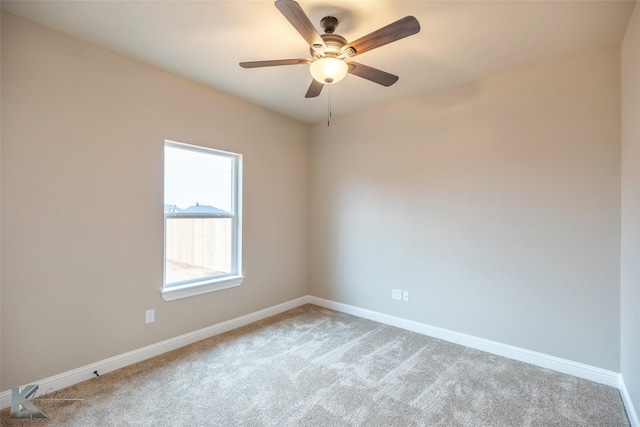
column 329, row 24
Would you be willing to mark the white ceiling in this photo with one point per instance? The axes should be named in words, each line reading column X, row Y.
column 460, row 42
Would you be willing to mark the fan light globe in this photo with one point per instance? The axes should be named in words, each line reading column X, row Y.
column 328, row 70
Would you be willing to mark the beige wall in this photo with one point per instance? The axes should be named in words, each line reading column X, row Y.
column 497, row 205
column 630, row 257
column 82, row 211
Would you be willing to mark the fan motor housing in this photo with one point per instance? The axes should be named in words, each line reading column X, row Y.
column 334, row 43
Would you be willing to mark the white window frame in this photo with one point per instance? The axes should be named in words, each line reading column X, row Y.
column 217, row 283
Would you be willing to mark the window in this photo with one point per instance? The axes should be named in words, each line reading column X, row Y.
column 201, row 220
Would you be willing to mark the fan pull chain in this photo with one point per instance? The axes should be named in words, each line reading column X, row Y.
column 329, row 107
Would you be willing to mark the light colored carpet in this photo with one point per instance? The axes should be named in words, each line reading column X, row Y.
column 315, row 367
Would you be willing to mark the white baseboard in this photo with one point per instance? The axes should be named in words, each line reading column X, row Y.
column 84, row 373
column 628, row 404
column 592, row 373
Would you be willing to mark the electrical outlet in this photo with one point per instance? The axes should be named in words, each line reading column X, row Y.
column 150, row 316
column 396, row 294
column 405, row 296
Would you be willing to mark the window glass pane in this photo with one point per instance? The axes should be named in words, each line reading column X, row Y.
column 196, row 178
column 197, row 247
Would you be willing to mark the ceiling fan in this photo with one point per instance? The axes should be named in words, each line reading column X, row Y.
column 330, row 53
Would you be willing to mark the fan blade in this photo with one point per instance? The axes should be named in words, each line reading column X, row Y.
column 377, row 76
column 296, row 16
column 395, row 31
column 256, row 64
column 314, row 89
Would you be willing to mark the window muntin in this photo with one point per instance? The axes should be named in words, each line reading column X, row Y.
column 202, row 218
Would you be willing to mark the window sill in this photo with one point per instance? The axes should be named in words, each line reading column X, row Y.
column 192, row 289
